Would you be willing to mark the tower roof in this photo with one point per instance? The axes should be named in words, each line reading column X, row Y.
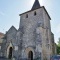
column 36, row 5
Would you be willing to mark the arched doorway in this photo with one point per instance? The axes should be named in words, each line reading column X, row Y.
column 30, row 55
column 10, row 53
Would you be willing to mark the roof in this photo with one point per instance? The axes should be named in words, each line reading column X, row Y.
column 12, row 27
column 36, row 9
column 1, row 34
column 36, row 5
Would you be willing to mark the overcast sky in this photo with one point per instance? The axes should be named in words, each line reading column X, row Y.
column 10, row 10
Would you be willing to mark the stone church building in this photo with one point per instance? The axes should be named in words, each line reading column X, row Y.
column 33, row 38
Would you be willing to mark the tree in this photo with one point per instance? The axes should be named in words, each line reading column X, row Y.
column 58, row 50
column 59, row 42
column 58, row 47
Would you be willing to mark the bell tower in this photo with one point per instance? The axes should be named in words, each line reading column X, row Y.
column 33, row 28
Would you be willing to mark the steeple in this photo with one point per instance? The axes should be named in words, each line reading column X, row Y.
column 36, row 5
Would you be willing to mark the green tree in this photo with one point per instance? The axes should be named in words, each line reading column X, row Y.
column 58, row 47
column 59, row 42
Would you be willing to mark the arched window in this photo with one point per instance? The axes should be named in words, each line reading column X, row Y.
column 30, row 55
column 26, row 15
column 34, row 13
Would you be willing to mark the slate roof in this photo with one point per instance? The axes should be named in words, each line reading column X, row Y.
column 12, row 27
column 36, row 5
column 1, row 34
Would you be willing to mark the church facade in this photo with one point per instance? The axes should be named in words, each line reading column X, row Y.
column 33, row 38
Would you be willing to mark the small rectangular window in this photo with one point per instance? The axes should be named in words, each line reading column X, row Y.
column 34, row 13
column 26, row 15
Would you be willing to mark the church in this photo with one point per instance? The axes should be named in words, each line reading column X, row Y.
column 32, row 41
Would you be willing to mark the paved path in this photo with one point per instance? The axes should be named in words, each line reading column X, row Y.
column 2, row 58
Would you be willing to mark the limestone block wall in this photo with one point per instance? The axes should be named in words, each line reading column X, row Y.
column 47, row 33
column 30, row 25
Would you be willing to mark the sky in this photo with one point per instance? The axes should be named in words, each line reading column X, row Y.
column 10, row 10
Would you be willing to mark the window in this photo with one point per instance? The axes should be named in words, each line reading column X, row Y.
column 26, row 15
column 34, row 13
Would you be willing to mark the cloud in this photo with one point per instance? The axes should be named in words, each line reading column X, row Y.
column 2, row 13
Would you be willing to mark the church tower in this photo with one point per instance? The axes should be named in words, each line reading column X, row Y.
column 35, row 33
